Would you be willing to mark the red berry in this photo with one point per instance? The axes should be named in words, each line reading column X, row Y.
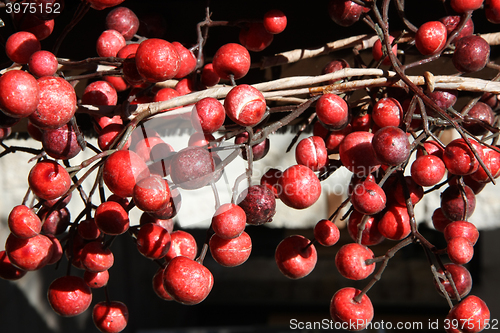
column 231, row 252
column 96, row 258
column 157, row 60
column 453, row 204
column 208, row 115
column 480, row 113
column 332, row 111
column 355, row 315
column 19, row 94
column 431, row 37
column 461, row 278
column 275, row 21
column 7, row 270
column 158, row 285
column 255, row 37
column 492, row 10
column 110, row 316
column 208, row 76
column 332, row 139
column 378, row 53
column 187, row 281
column 492, row 162
column 192, row 168
column 151, row 193
column 153, row 241
column 21, row 45
column 361, row 122
column 350, row 260
column 203, row 140
column 472, row 53
column 182, row 244
column 357, row 153
column 461, row 229
column 344, row 12
column 132, row 77
column 229, row 221
column 368, row 198
column 49, row 180
column 387, row 112
column 270, row 180
column 443, row 98
column 87, row 229
column 69, row 296
column 165, row 94
column 259, row 204
column 57, row 104
column 100, row 93
column 300, row 186
column 111, row 218
column 295, row 257
column 460, row 250
column 122, row 170
column 96, row 279
column 427, row 170
column 148, row 218
column 451, row 23
column 109, row 43
column 23, row 222
column 439, row 220
column 57, row 252
column 416, row 192
column 124, row 21
column 370, row 234
column 187, row 60
column 312, row 153
column 145, row 146
column 109, row 134
column 61, row 143
column 391, row 145
column 231, row 59
column 395, row 223
column 29, row 254
column 459, row 158
column 55, row 221
column 259, row 150
column 185, row 86
column 117, row 82
column 471, row 315
column 326, row 233
column 431, row 147
column 170, row 211
column 128, row 50
column 245, row 105
column 462, row 6
column 31, row 22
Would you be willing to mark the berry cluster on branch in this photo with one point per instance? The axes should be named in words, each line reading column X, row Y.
column 370, row 118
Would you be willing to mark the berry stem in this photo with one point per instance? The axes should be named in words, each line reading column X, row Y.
column 204, row 249
column 311, row 242
column 301, row 129
column 385, row 260
column 440, row 285
column 339, row 208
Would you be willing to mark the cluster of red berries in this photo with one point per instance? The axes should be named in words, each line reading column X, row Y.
column 374, row 139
